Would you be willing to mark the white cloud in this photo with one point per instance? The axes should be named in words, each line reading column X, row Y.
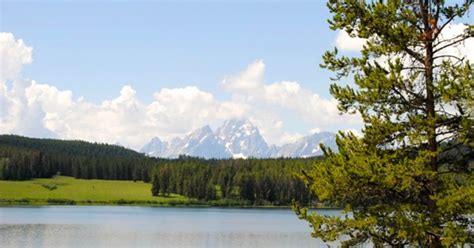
column 287, row 138
column 270, row 100
column 356, row 132
column 315, row 130
column 13, row 55
column 345, row 42
column 17, row 115
column 462, row 49
column 248, row 80
column 50, row 98
column 42, row 110
column 179, row 110
column 125, row 119
column 35, row 109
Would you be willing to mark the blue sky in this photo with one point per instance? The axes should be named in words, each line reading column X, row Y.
column 123, row 71
column 96, row 63
column 95, row 48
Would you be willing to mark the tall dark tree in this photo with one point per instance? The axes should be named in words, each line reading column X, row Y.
column 247, row 188
column 164, row 181
column 407, row 181
column 155, row 185
column 210, row 192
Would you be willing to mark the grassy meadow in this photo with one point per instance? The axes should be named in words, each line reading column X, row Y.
column 68, row 190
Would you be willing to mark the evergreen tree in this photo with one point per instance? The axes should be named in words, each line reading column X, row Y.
column 407, row 181
column 210, row 192
column 247, row 188
column 155, row 185
column 164, row 181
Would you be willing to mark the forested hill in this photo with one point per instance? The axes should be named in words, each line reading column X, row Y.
column 244, row 181
column 24, row 158
column 67, row 147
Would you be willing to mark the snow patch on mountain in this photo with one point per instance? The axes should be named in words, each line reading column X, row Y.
column 236, row 138
column 308, row 146
column 242, row 139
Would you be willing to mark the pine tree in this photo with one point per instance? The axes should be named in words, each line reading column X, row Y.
column 407, row 180
column 210, row 192
column 165, row 175
column 247, row 188
column 155, row 188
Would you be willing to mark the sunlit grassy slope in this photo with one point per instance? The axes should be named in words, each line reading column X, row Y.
column 80, row 191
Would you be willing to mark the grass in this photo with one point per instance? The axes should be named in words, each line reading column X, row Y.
column 63, row 190
column 68, row 190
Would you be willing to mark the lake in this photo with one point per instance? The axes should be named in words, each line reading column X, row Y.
column 123, row 226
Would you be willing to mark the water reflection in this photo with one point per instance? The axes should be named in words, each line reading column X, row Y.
column 152, row 227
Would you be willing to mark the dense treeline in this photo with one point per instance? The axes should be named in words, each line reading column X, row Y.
column 23, row 158
column 68, row 147
column 249, row 181
column 241, row 181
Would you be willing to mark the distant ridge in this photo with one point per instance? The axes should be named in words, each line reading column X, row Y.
column 236, row 138
column 70, row 147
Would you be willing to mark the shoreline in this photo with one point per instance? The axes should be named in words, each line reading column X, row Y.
column 63, row 190
column 40, row 203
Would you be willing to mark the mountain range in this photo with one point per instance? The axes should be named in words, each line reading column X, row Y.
column 236, row 138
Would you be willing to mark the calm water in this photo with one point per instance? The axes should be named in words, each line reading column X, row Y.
column 119, row 226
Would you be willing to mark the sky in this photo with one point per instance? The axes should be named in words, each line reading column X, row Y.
column 125, row 72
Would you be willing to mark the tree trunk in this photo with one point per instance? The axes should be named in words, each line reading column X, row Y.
column 434, row 241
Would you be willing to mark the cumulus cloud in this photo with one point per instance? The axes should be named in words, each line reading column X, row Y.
column 345, row 42
column 42, row 110
column 125, row 119
column 269, row 100
column 248, row 80
column 462, row 49
column 180, row 110
column 35, row 109
column 14, row 54
column 17, row 114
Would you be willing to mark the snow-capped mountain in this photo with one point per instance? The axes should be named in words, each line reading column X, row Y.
column 155, row 147
column 242, row 139
column 237, row 138
column 307, row 146
column 200, row 143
